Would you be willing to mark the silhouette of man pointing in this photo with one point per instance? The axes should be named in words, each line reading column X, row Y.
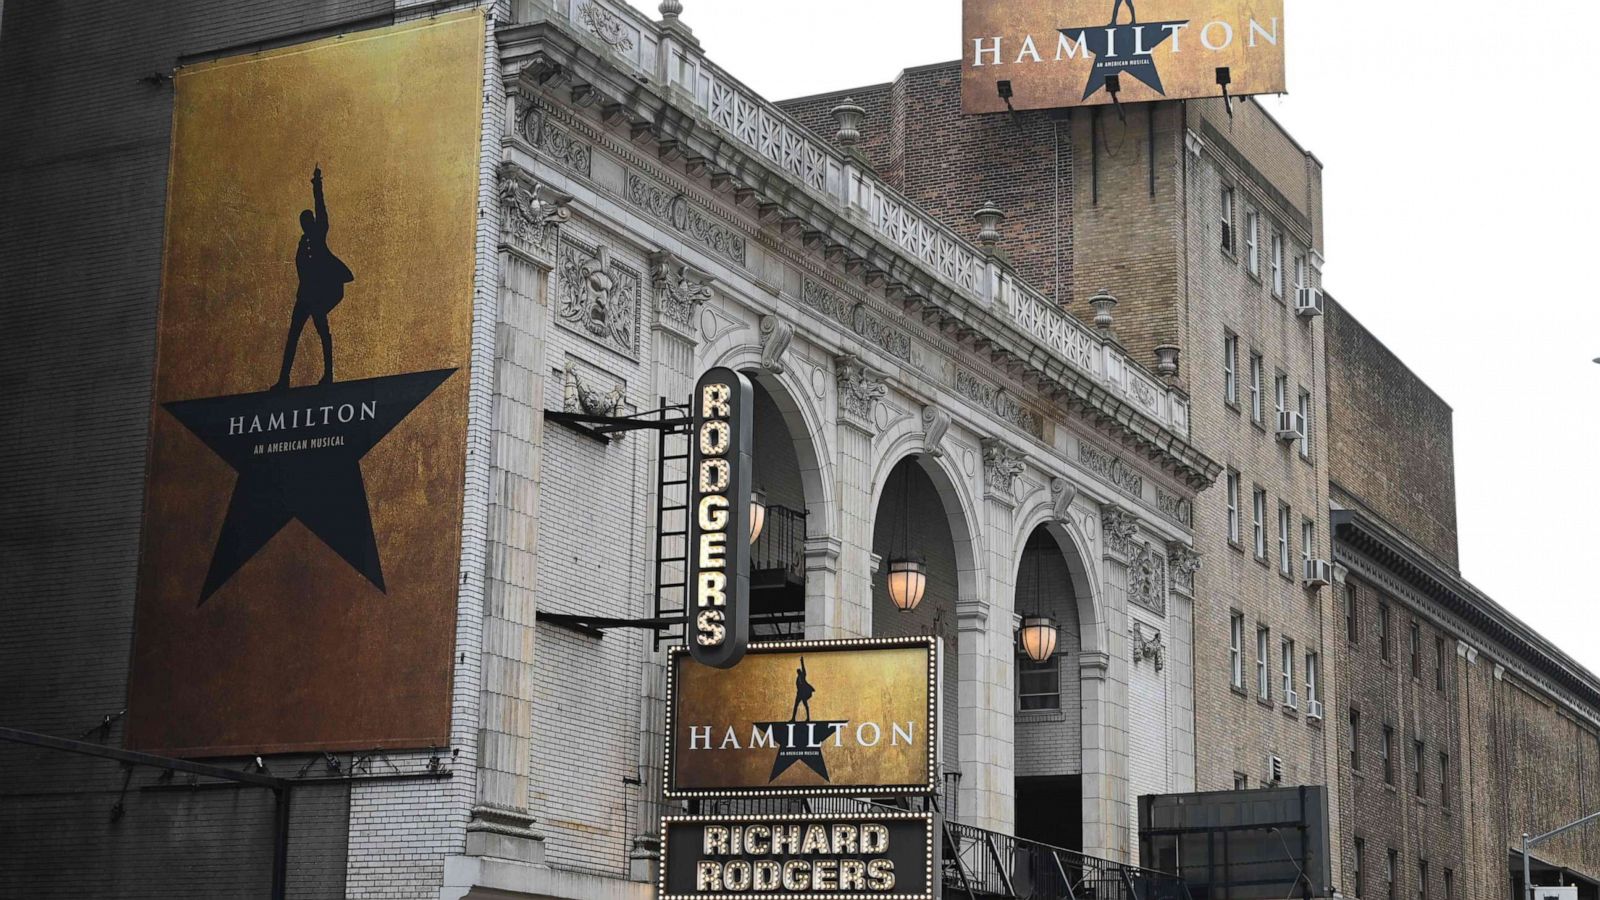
column 802, row 692
column 1133, row 14
column 322, row 280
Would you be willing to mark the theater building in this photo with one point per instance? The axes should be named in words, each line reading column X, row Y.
column 637, row 217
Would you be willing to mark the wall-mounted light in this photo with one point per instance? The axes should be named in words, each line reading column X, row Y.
column 758, row 514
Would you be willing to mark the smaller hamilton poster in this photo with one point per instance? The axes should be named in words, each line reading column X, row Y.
column 816, row 857
column 805, row 718
column 302, row 519
column 1065, row 53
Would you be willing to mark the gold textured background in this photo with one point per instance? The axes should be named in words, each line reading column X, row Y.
column 859, row 685
column 298, row 650
column 1050, row 84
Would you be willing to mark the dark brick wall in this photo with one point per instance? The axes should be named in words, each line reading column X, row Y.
column 83, row 159
column 1391, row 437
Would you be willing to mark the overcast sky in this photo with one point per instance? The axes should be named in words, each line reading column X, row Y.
column 1461, row 197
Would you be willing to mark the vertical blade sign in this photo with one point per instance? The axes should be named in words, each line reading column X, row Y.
column 718, row 629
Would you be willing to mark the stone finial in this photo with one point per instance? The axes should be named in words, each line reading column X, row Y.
column 1103, row 303
column 1167, row 360
column 670, row 9
column 989, row 218
column 849, row 116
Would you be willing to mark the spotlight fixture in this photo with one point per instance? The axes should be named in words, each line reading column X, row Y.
column 1225, row 78
column 1114, row 88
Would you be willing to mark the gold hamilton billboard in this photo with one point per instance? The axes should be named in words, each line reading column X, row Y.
column 820, row 717
column 1033, row 54
column 302, row 519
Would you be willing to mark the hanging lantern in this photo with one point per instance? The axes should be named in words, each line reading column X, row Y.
column 908, row 579
column 1038, row 637
column 758, row 514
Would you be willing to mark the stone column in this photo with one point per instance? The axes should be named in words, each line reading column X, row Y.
column 848, row 613
column 1103, row 678
column 988, row 719
column 502, row 822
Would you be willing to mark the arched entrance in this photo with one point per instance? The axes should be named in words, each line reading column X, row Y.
column 781, row 476
column 1049, row 725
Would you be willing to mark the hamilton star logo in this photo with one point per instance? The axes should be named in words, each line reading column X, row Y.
column 298, row 450
column 797, row 741
column 1123, row 48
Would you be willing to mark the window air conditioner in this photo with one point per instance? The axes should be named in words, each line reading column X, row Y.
column 1274, row 770
column 1292, row 700
column 1319, row 573
column 1291, row 427
column 1308, row 302
column 1314, row 711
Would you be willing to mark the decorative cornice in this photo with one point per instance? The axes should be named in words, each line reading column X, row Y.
column 1000, row 402
column 1111, row 468
column 675, row 210
column 854, row 315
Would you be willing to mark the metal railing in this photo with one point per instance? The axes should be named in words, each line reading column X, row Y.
column 781, row 545
column 978, row 862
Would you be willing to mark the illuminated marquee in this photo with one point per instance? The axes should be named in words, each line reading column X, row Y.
column 718, row 628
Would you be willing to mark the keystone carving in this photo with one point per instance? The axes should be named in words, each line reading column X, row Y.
column 1062, row 493
column 776, row 335
column 935, row 424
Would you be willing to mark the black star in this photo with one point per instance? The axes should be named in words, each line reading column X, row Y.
column 1123, row 48
column 800, row 742
column 298, row 454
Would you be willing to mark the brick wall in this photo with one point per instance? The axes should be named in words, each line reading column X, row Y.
column 83, row 187
column 1392, row 441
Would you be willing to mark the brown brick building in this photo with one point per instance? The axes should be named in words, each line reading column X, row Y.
column 1461, row 727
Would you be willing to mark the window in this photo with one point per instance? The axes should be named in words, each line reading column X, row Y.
column 1257, row 386
column 1305, row 423
column 1308, row 545
column 1312, row 664
column 1299, row 273
column 1252, row 242
column 1230, row 368
column 1233, row 507
column 1352, row 625
column 1263, row 686
column 1384, row 751
column 1355, row 740
column 1039, row 683
column 1360, row 860
column 1277, row 264
column 1416, row 768
column 1280, row 396
column 1241, row 781
column 1285, row 557
column 1227, row 220
column 1438, row 663
column 1422, row 879
column 1416, row 649
column 1383, row 631
column 1259, row 521
column 1290, row 699
column 1236, row 650
column 1390, row 864
column 1449, row 885
column 1444, row 780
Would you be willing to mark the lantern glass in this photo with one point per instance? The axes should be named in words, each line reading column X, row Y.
column 908, row 580
column 758, row 514
column 1038, row 637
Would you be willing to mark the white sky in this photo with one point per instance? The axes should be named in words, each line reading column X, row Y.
column 1461, row 194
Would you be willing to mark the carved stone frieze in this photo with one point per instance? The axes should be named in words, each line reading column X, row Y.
column 1002, row 463
column 935, row 425
column 680, row 289
column 599, row 297
column 854, row 315
column 1110, row 468
column 1174, row 507
column 1147, row 577
column 860, row 389
column 999, row 402
column 540, row 131
column 605, row 25
column 1119, row 526
column 776, row 335
column 674, row 209
column 531, row 211
column 1182, row 562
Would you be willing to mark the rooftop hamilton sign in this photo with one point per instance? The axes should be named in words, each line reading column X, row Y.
column 1061, row 54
